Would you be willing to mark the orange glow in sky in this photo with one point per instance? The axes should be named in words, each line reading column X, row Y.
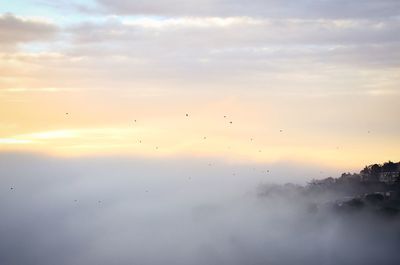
column 277, row 91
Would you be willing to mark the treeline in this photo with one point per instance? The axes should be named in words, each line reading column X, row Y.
column 377, row 169
column 373, row 178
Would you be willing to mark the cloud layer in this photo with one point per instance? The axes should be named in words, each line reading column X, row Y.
column 269, row 8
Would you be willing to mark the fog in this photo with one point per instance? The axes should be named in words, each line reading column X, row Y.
column 118, row 210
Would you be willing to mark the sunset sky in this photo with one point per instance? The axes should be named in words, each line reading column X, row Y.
column 260, row 81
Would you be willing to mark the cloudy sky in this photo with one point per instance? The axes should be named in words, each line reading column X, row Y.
column 261, row 81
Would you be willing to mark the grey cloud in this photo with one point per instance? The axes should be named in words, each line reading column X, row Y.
column 14, row 30
column 269, row 46
column 259, row 8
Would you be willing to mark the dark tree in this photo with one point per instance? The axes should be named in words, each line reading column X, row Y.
column 390, row 167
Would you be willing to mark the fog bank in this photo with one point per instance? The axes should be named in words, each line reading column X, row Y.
column 174, row 211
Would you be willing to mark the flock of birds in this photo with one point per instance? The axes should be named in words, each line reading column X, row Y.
column 204, row 138
column 189, row 178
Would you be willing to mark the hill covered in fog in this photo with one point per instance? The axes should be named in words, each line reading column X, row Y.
column 375, row 189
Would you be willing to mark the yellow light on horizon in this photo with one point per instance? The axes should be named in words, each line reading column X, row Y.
column 10, row 141
column 157, row 142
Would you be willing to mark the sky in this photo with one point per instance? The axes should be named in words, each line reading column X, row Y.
column 313, row 82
